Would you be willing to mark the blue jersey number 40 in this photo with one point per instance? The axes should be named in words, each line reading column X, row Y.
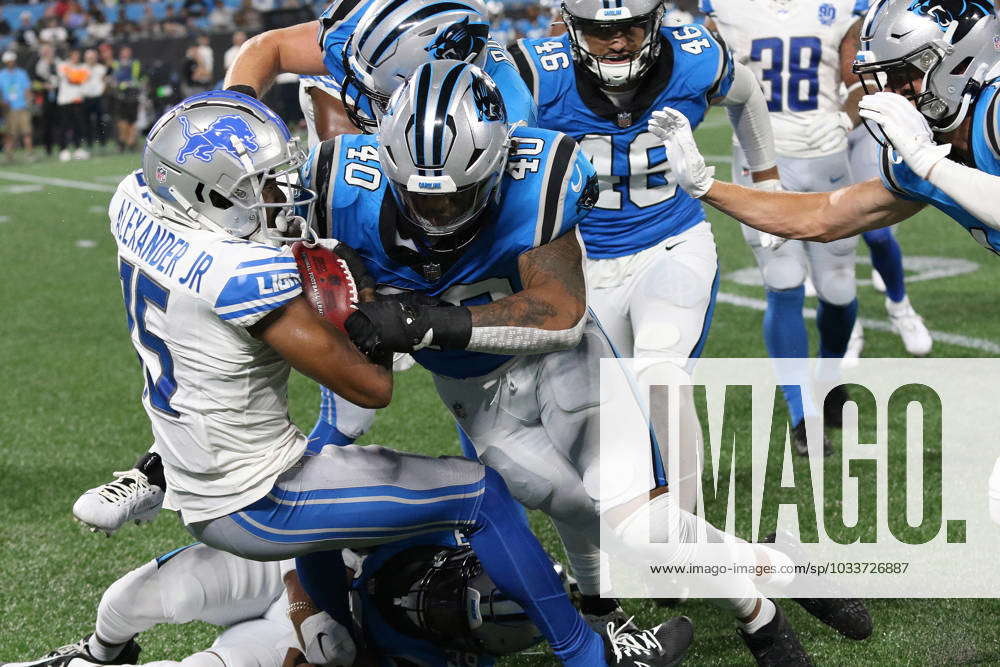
column 796, row 67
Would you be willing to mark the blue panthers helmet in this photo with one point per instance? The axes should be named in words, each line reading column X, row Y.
column 223, row 161
column 951, row 45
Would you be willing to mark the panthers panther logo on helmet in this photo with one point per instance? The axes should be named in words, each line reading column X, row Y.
column 945, row 12
column 459, row 41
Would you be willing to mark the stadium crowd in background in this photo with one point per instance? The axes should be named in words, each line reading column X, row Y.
column 101, row 70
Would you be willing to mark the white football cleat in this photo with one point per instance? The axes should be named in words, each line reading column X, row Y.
column 130, row 497
column 854, row 346
column 877, row 282
column 909, row 326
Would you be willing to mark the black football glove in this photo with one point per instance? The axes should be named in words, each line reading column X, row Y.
column 356, row 265
column 394, row 326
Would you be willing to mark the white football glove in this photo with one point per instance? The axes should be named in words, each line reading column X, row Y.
column 325, row 642
column 827, row 131
column 685, row 160
column 906, row 128
column 769, row 241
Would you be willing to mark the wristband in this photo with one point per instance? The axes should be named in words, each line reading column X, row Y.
column 452, row 326
column 243, row 90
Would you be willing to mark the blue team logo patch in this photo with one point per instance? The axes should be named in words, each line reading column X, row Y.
column 218, row 136
column 827, row 13
column 459, row 41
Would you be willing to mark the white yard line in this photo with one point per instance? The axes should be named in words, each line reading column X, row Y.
column 60, row 182
column 969, row 342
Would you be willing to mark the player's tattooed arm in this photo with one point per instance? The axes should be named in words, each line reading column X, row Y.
column 547, row 315
column 554, row 295
column 263, row 57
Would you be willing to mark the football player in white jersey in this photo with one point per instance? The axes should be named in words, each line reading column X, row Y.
column 800, row 52
column 218, row 320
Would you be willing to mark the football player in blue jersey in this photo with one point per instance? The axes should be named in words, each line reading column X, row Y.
column 468, row 227
column 421, row 601
column 931, row 70
column 652, row 270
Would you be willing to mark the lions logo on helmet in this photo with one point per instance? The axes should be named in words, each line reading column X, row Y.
column 218, row 136
column 459, row 41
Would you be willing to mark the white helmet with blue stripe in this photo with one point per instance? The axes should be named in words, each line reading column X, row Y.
column 443, row 144
column 952, row 45
column 223, row 161
column 603, row 19
column 394, row 36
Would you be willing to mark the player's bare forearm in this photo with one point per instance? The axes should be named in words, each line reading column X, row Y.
column 770, row 174
column 813, row 216
column 318, row 350
column 263, row 57
column 331, row 118
column 554, row 295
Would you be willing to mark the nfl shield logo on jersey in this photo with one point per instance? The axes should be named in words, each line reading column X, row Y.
column 827, row 13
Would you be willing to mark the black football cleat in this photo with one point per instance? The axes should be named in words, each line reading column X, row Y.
column 848, row 616
column 776, row 645
column 62, row 656
column 833, row 407
column 662, row 646
column 801, row 444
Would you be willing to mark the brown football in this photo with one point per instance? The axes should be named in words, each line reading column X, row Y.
column 326, row 282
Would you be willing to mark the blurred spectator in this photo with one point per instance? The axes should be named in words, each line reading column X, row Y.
column 95, row 126
column 99, row 28
column 128, row 87
column 263, row 5
column 75, row 17
column 47, row 81
column 59, row 9
column 194, row 77
column 15, row 93
column 149, row 25
column 53, row 33
column 195, row 8
column 172, row 24
column 207, row 58
column 248, row 18
column 221, row 17
column 238, row 38
column 26, row 35
column 72, row 75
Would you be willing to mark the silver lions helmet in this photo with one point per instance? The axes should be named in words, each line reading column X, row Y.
column 394, row 36
column 442, row 594
column 223, row 161
column 443, row 144
column 951, row 45
column 635, row 22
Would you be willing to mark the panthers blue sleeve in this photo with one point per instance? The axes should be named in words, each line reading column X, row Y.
column 568, row 192
column 320, row 175
column 986, row 131
column 517, row 99
column 336, row 24
column 705, row 7
column 725, row 71
column 895, row 176
column 860, row 7
column 263, row 279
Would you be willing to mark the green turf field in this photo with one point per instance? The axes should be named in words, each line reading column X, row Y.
column 70, row 414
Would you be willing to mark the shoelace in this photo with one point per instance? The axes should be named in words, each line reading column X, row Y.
column 80, row 646
column 627, row 644
column 128, row 484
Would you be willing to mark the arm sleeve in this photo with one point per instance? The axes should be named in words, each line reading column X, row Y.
column 264, row 280
column 749, row 116
column 972, row 189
